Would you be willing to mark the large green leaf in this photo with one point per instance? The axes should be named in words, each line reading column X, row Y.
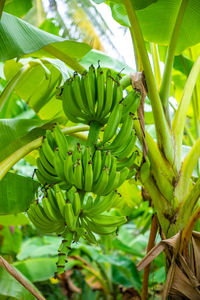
column 25, row 39
column 17, row 7
column 37, row 85
column 15, row 133
column 10, row 287
column 105, row 61
column 14, row 220
column 157, row 21
column 11, row 240
column 16, row 193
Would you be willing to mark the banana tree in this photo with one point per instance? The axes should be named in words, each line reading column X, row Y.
column 168, row 180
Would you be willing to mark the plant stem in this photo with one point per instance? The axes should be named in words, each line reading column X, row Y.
column 11, row 160
column 125, row 81
column 181, row 113
column 156, row 64
column 163, row 133
column 188, row 205
column 188, row 166
column 161, row 205
column 166, row 81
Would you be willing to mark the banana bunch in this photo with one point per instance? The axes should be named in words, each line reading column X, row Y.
column 91, row 97
column 93, row 172
column 73, row 216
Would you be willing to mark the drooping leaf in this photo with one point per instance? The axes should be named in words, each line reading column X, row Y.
column 105, row 61
column 10, row 287
column 16, row 193
column 27, row 39
column 18, row 7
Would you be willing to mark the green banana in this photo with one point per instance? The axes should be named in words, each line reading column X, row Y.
column 117, row 92
column 123, row 175
column 47, row 150
column 100, row 186
column 68, row 168
column 126, row 149
column 58, row 163
column 100, row 91
column 88, row 172
column 131, row 103
column 76, row 90
column 113, row 123
column 127, row 162
column 49, row 178
column 78, row 174
column 123, row 135
column 70, row 218
column 102, row 230
column 50, row 139
column 76, row 204
column 97, row 165
column 108, row 221
column 108, row 94
column 112, row 176
column 49, row 210
column 88, row 82
column 69, row 106
column 61, row 203
column 61, row 142
column 46, row 164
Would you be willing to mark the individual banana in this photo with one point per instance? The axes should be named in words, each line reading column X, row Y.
column 125, row 149
column 88, row 171
column 123, row 176
column 58, row 163
column 112, row 176
column 88, row 85
column 76, row 90
column 108, row 221
column 108, row 102
column 61, row 142
column 117, row 92
column 61, row 202
column 102, row 230
column 49, row 177
column 48, row 209
column 101, row 184
column 78, row 174
column 70, row 217
column 100, row 91
column 69, row 168
column 76, row 204
column 131, row 103
column 113, row 123
column 123, row 135
column 47, row 150
column 47, row 165
column 97, row 165
column 127, row 162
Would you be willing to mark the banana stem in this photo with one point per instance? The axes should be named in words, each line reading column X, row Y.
column 93, row 136
column 163, row 132
column 64, row 250
column 11, row 160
